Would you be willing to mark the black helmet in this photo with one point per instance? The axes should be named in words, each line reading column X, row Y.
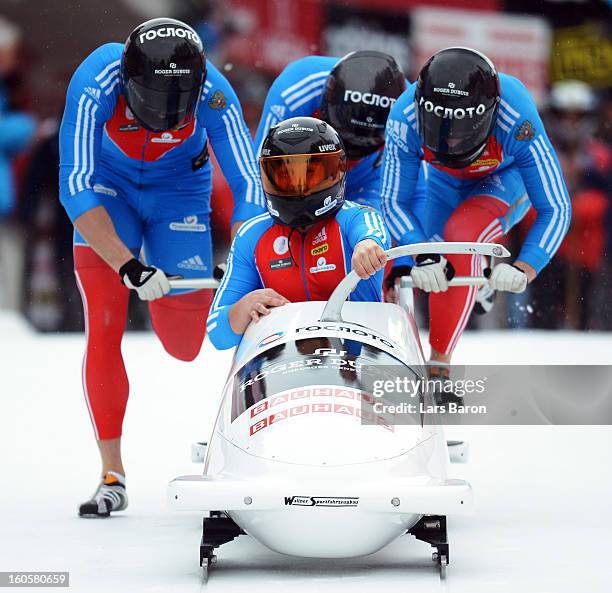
column 359, row 93
column 163, row 68
column 456, row 100
column 303, row 169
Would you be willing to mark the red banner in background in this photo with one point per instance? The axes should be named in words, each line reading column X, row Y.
column 517, row 45
column 407, row 5
column 273, row 33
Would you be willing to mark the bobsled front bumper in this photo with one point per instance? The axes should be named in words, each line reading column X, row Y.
column 409, row 495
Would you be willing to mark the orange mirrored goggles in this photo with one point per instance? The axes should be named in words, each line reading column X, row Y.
column 301, row 175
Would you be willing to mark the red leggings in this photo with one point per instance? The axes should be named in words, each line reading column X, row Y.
column 179, row 322
column 476, row 219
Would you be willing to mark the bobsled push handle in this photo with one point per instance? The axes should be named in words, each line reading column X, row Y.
column 193, row 283
column 407, row 282
column 333, row 309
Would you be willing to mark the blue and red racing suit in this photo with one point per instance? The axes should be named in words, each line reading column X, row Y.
column 296, row 92
column 301, row 267
column 156, row 189
column 481, row 202
column 144, row 177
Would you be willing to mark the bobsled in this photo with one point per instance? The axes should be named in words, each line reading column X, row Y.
column 304, row 456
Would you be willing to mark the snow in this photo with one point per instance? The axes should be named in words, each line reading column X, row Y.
column 542, row 521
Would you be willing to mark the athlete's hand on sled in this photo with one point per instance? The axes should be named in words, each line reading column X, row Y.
column 253, row 306
column 432, row 272
column 150, row 283
column 368, row 258
column 507, row 277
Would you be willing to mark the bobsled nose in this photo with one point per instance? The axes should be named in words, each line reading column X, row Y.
column 324, row 434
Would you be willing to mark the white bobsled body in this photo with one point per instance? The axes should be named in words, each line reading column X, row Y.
column 297, row 458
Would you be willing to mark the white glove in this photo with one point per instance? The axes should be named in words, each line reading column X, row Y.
column 150, row 283
column 430, row 273
column 507, row 277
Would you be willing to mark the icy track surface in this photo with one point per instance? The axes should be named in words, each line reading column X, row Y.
column 543, row 520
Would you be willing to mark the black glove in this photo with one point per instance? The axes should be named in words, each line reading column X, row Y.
column 150, row 283
column 395, row 273
column 426, row 259
column 507, row 277
column 432, row 272
column 219, row 271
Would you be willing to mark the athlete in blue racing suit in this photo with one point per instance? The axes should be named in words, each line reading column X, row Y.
column 135, row 175
column 260, row 242
column 354, row 94
column 309, row 239
column 488, row 160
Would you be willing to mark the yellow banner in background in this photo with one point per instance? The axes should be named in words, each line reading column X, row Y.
column 582, row 53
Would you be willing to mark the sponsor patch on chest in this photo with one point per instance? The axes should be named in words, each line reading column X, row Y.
column 320, row 249
column 279, row 264
column 322, row 266
column 281, row 245
column 137, row 143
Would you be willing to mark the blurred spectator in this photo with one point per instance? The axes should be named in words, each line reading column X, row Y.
column 602, row 302
column 51, row 301
column 575, row 291
column 578, row 273
column 212, row 20
column 16, row 131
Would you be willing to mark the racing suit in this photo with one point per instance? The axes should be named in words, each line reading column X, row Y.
column 156, row 189
column 481, row 202
column 300, row 266
column 297, row 92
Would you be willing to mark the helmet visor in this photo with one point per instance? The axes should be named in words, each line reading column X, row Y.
column 456, row 131
column 161, row 110
column 299, row 175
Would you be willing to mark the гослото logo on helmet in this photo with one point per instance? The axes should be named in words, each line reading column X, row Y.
column 368, row 98
column 449, row 112
column 169, row 32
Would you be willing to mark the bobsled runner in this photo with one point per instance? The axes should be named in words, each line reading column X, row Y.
column 302, row 458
